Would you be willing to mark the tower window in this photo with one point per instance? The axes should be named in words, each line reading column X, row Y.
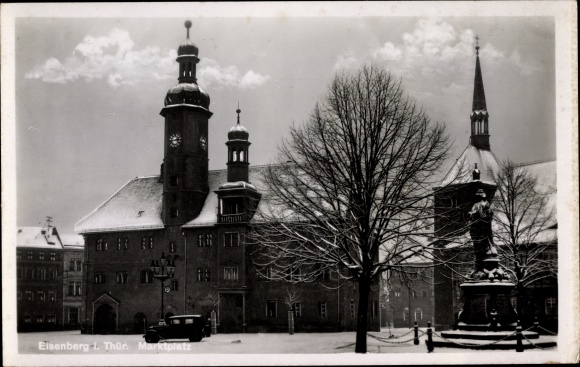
column 242, row 156
column 172, row 247
column 231, row 240
column 174, row 180
column 174, row 212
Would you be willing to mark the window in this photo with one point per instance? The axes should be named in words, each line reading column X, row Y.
column 40, row 296
column 199, row 274
column 203, row 275
column 121, row 277
column 230, row 273
column 265, row 273
column 294, row 273
column 143, row 243
column 40, row 319
column 41, row 255
column 405, row 314
column 100, row 278
column 52, row 274
column 174, row 285
column 271, row 309
column 79, row 265
column 19, row 296
column 418, row 314
column 53, row 256
column 172, row 246
column 29, row 255
column 551, row 306
column 231, row 240
column 397, row 294
column 100, row 244
column 74, row 288
column 71, row 265
column 51, row 318
column 352, row 310
column 204, row 240
column 42, row 274
column 151, row 242
column 207, row 275
column 297, row 307
column 174, row 212
column 146, row 276
column 51, row 296
column 18, row 255
column 27, row 319
column 73, row 315
column 118, row 244
column 29, row 295
column 174, row 180
column 29, row 273
column 126, row 244
column 321, row 309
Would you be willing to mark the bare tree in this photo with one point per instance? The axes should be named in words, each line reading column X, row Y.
column 521, row 231
column 353, row 191
column 213, row 298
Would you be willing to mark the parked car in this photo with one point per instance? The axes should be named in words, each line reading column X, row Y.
column 192, row 327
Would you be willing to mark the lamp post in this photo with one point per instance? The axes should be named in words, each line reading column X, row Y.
column 162, row 270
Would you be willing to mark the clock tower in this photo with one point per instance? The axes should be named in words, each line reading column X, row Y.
column 185, row 164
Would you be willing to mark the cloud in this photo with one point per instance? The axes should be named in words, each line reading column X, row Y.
column 211, row 74
column 112, row 58
column 435, row 54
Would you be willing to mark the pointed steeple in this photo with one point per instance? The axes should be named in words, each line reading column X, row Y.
column 479, row 115
column 478, row 92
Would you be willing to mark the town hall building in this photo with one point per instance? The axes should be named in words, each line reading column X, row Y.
column 197, row 221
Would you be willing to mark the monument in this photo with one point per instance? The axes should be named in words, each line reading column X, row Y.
column 488, row 320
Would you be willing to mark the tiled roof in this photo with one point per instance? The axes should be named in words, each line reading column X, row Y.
column 33, row 237
column 461, row 172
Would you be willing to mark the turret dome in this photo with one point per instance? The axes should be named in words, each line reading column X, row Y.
column 238, row 132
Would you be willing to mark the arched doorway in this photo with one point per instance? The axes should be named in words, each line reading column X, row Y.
column 105, row 320
column 139, row 323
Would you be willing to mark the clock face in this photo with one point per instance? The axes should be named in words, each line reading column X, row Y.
column 167, row 289
column 203, row 143
column 174, row 140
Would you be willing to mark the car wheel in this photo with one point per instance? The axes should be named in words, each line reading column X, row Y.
column 151, row 338
column 196, row 338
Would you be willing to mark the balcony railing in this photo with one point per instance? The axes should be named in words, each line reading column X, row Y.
column 232, row 218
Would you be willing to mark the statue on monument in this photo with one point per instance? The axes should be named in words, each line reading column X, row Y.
column 481, row 216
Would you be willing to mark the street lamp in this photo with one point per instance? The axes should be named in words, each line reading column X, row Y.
column 162, row 270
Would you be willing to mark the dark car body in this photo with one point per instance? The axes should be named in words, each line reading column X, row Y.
column 192, row 327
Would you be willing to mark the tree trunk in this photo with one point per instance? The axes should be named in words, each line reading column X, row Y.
column 363, row 310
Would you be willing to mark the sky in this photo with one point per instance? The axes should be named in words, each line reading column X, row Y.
column 88, row 90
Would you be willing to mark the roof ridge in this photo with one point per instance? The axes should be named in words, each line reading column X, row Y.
column 536, row 162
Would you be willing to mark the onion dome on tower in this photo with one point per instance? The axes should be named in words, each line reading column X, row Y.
column 187, row 91
column 238, row 160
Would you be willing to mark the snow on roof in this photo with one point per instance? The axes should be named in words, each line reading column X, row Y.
column 461, row 172
column 36, row 237
column 72, row 241
column 137, row 205
column 218, row 179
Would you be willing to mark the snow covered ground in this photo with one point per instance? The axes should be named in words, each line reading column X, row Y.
column 340, row 346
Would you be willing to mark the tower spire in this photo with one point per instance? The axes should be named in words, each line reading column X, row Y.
column 479, row 115
column 238, row 112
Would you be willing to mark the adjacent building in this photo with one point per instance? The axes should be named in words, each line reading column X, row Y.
column 39, row 252
column 197, row 221
column 72, row 284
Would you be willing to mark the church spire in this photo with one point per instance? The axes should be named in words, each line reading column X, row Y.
column 479, row 116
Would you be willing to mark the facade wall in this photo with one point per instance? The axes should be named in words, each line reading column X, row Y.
column 243, row 303
column 72, row 287
column 39, row 288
